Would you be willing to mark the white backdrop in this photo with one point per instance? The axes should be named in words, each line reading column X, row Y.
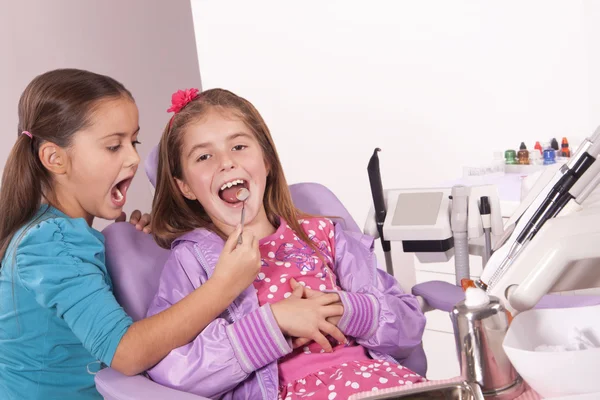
column 435, row 84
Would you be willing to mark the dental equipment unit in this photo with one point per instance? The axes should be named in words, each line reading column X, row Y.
column 550, row 244
column 436, row 223
column 552, row 232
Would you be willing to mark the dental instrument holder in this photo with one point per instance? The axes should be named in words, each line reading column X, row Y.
column 479, row 330
column 484, row 210
column 418, row 222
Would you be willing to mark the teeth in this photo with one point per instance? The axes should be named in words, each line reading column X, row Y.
column 232, row 183
column 119, row 195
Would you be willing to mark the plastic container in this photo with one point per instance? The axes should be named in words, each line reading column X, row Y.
column 555, row 373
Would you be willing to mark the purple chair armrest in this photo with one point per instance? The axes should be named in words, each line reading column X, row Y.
column 439, row 295
column 113, row 385
column 443, row 296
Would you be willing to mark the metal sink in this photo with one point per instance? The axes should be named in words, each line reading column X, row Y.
column 446, row 391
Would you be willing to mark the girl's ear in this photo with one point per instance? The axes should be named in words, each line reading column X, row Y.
column 53, row 158
column 185, row 189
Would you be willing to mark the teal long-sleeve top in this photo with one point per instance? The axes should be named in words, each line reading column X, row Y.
column 58, row 316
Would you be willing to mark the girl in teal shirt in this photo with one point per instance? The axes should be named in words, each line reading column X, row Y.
column 73, row 161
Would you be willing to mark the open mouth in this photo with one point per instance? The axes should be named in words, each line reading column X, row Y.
column 118, row 193
column 228, row 192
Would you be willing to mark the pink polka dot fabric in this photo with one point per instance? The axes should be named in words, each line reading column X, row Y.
column 344, row 380
column 308, row 372
column 285, row 256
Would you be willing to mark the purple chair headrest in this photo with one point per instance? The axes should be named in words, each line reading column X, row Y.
column 151, row 165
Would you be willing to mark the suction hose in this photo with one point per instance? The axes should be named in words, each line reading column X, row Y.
column 458, row 223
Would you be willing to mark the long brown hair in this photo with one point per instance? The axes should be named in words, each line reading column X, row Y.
column 53, row 107
column 173, row 214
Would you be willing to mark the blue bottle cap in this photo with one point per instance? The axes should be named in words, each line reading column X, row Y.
column 549, row 156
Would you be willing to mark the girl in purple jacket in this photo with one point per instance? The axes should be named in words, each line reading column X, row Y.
column 321, row 320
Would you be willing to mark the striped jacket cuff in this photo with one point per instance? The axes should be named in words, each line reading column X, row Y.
column 257, row 339
column 361, row 312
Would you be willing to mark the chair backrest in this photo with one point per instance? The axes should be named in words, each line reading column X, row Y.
column 135, row 261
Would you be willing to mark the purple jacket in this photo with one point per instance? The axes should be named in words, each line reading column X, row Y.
column 235, row 356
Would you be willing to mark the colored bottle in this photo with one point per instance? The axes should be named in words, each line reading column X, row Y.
column 538, row 146
column 535, row 158
column 549, row 156
column 554, row 144
column 523, row 154
column 510, row 157
column 564, row 148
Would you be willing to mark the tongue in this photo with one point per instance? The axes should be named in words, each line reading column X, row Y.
column 229, row 194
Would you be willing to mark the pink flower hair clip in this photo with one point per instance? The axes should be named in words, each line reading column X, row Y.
column 181, row 98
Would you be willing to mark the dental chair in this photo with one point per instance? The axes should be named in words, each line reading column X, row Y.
column 135, row 264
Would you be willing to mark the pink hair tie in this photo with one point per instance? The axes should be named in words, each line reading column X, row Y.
column 28, row 134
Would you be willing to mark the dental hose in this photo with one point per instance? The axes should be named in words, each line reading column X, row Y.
column 458, row 223
column 487, row 233
column 461, row 257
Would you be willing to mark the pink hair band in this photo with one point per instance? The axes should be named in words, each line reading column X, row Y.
column 28, row 134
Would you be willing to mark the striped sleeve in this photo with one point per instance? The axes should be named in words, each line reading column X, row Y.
column 361, row 312
column 257, row 339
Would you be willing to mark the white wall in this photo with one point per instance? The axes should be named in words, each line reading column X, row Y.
column 436, row 84
column 148, row 45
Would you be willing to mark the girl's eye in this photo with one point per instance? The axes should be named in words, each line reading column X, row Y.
column 114, row 148
column 239, row 147
column 203, row 157
column 135, row 143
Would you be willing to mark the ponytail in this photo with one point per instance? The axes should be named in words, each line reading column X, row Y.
column 21, row 191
